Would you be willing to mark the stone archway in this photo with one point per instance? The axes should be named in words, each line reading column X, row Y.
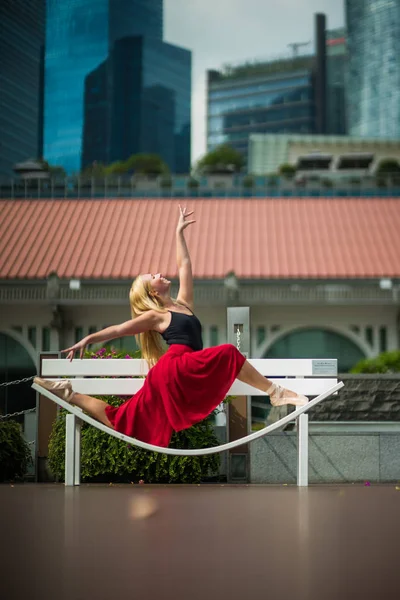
column 317, row 343
column 15, row 363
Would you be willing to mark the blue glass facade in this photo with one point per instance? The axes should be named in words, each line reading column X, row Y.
column 276, row 103
column 139, row 101
column 373, row 86
column 22, row 34
column 79, row 36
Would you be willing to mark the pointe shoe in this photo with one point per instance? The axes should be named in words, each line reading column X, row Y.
column 279, row 396
column 62, row 389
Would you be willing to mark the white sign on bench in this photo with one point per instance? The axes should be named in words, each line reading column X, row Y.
column 89, row 376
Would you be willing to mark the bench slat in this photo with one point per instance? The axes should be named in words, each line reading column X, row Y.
column 302, row 367
column 128, row 387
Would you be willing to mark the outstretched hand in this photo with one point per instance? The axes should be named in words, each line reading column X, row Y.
column 182, row 223
column 79, row 347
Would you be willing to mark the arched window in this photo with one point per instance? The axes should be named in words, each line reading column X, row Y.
column 317, row 343
column 15, row 363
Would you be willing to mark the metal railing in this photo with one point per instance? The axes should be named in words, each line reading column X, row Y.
column 184, row 187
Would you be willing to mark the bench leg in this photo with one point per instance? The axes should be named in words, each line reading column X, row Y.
column 302, row 450
column 72, row 450
column 77, row 471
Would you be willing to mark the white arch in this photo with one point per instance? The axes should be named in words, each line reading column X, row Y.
column 350, row 335
column 18, row 337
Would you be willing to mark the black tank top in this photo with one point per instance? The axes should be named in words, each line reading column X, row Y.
column 184, row 329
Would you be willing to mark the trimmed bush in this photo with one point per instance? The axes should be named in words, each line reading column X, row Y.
column 387, row 362
column 15, row 454
column 107, row 459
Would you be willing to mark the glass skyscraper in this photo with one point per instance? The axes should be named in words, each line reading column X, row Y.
column 139, row 100
column 22, row 33
column 86, row 67
column 373, row 85
column 274, row 97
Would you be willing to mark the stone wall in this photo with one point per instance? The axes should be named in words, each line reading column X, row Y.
column 364, row 398
column 333, row 458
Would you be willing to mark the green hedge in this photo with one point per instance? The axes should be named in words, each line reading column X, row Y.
column 107, row 459
column 387, row 362
column 15, row 454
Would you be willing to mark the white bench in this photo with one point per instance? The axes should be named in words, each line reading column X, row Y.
column 126, row 377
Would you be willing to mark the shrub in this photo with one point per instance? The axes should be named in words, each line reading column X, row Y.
column 387, row 362
column 15, row 454
column 105, row 458
column 248, row 181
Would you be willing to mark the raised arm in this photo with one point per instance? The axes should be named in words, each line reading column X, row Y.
column 185, row 294
column 146, row 322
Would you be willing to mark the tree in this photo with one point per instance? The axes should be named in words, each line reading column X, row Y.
column 287, row 170
column 223, row 159
column 96, row 169
column 53, row 170
column 140, row 164
column 388, row 170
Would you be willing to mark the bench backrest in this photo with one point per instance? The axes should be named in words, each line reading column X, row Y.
column 124, row 377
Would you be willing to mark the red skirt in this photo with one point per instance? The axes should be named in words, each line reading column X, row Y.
column 183, row 388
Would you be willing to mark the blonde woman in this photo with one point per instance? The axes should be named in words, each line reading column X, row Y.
column 185, row 383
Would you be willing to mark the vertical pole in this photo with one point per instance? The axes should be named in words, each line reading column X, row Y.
column 70, row 436
column 302, row 450
column 239, row 422
column 77, row 469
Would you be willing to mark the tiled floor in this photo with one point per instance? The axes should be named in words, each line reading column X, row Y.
column 202, row 542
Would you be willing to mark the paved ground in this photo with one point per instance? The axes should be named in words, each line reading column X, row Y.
column 210, row 541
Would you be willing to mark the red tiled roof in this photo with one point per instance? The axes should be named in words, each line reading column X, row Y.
column 255, row 238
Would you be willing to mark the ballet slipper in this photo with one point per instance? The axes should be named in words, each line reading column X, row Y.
column 278, row 397
column 62, row 389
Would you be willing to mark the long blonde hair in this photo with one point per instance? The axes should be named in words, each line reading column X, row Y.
column 142, row 300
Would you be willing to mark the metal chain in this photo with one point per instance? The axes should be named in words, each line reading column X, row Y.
column 7, row 383
column 238, row 338
column 17, row 414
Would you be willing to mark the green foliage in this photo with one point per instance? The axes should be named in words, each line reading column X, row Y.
column 287, row 170
column 387, row 362
column 223, row 159
column 53, row 170
column 15, row 455
column 388, row 167
column 104, row 458
column 248, row 182
column 140, row 164
column 193, row 183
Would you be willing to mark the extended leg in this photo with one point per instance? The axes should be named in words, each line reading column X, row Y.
column 279, row 396
column 63, row 389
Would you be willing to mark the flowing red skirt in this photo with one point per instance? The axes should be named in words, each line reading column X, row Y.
column 183, row 388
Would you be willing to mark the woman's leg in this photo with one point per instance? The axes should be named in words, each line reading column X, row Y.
column 248, row 374
column 93, row 406
column 63, row 389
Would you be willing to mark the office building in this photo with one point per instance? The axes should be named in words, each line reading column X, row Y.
column 22, row 33
column 336, row 73
column 373, row 91
column 83, row 36
column 139, row 100
column 286, row 96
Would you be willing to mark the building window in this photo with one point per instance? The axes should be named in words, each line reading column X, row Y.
column 46, row 339
column 32, row 336
column 213, row 335
column 382, row 339
column 261, row 335
column 317, row 343
column 369, row 335
column 78, row 334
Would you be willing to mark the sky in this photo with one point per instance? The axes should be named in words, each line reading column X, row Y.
column 219, row 32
